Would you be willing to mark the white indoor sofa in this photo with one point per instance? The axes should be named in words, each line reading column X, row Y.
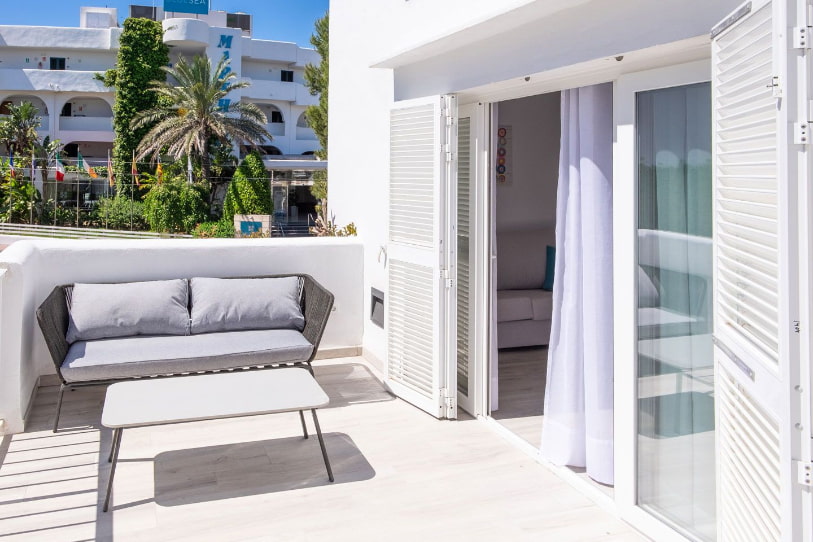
column 523, row 308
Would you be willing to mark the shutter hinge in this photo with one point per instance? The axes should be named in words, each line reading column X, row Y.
column 447, row 151
column 775, row 86
column 447, row 279
column 448, row 400
column 804, row 470
column 801, row 37
column 801, row 133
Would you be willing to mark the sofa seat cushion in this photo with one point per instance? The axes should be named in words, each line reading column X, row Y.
column 126, row 357
column 517, row 305
column 514, row 305
column 542, row 303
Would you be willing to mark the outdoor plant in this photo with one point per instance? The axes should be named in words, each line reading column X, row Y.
column 175, row 206
column 328, row 228
column 221, row 228
column 119, row 213
column 19, row 201
column 141, row 55
column 249, row 192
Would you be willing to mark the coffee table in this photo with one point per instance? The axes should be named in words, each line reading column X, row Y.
column 159, row 401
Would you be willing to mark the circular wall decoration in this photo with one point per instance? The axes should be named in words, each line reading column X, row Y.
column 501, row 161
column 500, row 169
column 501, row 132
column 501, row 179
column 501, row 151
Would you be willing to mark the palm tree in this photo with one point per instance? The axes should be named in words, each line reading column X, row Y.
column 18, row 131
column 191, row 114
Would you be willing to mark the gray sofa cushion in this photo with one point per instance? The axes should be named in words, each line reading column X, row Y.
column 126, row 357
column 517, row 305
column 514, row 305
column 240, row 304
column 157, row 307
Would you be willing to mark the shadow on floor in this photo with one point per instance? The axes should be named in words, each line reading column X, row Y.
column 254, row 468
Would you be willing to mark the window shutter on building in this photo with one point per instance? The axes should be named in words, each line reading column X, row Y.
column 756, row 354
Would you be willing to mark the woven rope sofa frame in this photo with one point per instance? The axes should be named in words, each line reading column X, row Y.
column 52, row 316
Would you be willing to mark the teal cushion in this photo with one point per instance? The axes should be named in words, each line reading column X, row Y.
column 550, row 267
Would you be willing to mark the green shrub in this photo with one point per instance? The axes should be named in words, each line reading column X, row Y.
column 221, row 228
column 175, row 206
column 18, row 201
column 248, row 192
column 119, row 213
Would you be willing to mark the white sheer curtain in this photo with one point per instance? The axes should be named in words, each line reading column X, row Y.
column 578, row 423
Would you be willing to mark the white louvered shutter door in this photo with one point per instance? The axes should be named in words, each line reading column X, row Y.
column 754, row 279
column 418, row 308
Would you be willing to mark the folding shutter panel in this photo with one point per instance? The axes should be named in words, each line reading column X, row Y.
column 417, row 301
column 754, row 178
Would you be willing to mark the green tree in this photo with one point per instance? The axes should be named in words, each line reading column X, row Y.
column 316, row 77
column 193, row 111
column 142, row 54
column 18, row 131
column 248, row 192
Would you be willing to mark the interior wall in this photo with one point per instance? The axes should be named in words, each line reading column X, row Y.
column 528, row 201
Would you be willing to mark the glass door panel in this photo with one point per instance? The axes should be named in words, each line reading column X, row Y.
column 676, row 472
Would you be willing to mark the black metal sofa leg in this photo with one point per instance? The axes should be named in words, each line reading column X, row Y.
column 58, row 406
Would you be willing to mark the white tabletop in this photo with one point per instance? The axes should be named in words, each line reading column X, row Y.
column 205, row 397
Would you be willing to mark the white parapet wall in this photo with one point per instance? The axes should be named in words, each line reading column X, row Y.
column 29, row 270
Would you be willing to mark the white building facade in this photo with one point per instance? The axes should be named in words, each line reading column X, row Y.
column 717, row 90
column 55, row 68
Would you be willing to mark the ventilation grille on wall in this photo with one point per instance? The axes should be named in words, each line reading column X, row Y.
column 143, row 12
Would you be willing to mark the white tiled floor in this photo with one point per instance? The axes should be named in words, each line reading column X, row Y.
column 400, row 475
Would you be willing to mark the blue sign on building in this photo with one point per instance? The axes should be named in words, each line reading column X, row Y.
column 187, row 6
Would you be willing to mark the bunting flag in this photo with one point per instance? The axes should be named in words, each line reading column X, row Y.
column 134, row 171
column 159, row 171
column 33, row 166
column 11, row 165
column 111, row 179
column 82, row 164
column 60, row 171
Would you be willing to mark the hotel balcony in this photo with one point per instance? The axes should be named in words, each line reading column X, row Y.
column 21, row 80
column 398, row 472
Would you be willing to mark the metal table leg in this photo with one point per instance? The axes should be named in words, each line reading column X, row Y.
column 114, row 455
column 322, row 444
column 304, row 427
column 58, row 406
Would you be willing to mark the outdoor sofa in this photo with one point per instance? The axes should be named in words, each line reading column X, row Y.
column 103, row 333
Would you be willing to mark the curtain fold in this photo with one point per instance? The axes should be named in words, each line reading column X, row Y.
column 578, row 422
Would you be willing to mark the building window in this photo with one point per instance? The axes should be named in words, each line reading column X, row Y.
column 67, row 110
column 276, row 116
column 287, row 76
column 57, row 63
column 239, row 20
column 143, row 12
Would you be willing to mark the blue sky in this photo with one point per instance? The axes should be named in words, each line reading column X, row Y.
column 282, row 20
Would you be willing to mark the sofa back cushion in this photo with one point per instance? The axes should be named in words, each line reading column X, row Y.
column 239, row 304
column 99, row 311
column 521, row 258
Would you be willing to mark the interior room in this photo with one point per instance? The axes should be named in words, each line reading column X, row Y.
column 526, row 143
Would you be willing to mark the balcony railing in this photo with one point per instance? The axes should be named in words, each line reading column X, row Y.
column 89, row 124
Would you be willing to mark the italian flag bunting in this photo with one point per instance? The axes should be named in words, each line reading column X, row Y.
column 60, row 171
column 110, row 177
